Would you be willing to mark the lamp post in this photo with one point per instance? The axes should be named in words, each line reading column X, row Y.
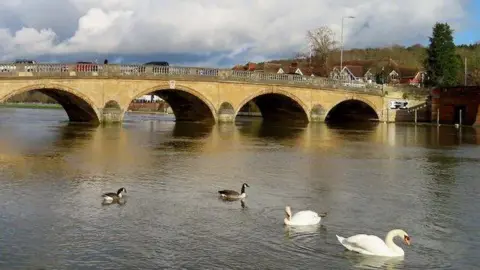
column 341, row 42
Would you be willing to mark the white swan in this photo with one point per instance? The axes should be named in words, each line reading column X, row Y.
column 373, row 245
column 305, row 217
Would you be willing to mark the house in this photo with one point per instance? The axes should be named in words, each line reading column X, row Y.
column 359, row 70
column 393, row 77
column 311, row 71
column 369, row 76
column 282, row 67
column 292, row 69
column 406, row 75
column 378, row 71
column 268, row 67
column 239, row 68
column 351, row 73
column 248, row 67
column 418, row 79
column 251, row 66
column 335, row 73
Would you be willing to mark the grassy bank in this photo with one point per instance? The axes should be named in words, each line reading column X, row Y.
column 31, row 105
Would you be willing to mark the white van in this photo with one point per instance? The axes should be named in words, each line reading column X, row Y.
column 395, row 104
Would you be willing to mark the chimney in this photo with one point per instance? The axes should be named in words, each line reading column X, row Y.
column 294, row 65
column 251, row 66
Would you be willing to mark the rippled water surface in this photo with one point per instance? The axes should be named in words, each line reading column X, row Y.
column 369, row 179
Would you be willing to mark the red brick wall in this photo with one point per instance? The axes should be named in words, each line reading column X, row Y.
column 448, row 99
column 477, row 120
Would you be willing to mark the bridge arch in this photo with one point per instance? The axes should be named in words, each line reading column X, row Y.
column 226, row 108
column 79, row 107
column 112, row 104
column 278, row 105
column 353, row 109
column 188, row 105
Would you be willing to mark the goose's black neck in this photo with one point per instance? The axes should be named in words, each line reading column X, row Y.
column 243, row 189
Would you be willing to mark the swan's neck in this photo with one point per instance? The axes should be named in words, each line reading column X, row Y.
column 288, row 218
column 391, row 245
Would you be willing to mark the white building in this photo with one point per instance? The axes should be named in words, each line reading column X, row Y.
column 148, row 98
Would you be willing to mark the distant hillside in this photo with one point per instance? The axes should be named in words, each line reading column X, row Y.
column 406, row 57
column 412, row 56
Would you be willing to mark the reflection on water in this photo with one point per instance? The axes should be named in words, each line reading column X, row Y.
column 375, row 262
column 369, row 178
column 242, row 202
column 121, row 202
column 275, row 131
column 292, row 231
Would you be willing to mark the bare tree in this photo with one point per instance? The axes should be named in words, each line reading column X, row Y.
column 321, row 44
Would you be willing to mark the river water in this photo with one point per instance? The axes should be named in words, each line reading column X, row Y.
column 368, row 179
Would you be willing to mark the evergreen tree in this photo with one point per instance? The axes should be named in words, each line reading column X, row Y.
column 442, row 65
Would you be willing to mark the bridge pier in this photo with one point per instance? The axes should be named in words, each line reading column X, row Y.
column 226, row 118
column 318, row 119
column 226, row 113
column 112, row 115
column 318, row 114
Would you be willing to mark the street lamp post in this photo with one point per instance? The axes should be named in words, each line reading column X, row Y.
column 341, row 42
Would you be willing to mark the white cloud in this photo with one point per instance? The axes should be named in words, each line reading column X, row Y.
column 99, row 31
column 244, row 30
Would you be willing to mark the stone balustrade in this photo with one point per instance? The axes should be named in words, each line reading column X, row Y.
column 83, row 70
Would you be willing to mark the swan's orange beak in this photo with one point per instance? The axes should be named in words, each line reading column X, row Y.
column 406, row 239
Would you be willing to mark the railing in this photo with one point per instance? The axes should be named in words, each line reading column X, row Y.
column 418, row 107
column 82, row 70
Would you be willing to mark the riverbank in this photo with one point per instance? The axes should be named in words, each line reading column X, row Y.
column 149, row 112
column 58, row 106
column 31, row 105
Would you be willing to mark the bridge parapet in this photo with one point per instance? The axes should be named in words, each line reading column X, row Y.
column 132, row 71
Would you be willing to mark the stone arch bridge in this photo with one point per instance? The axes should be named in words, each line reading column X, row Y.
column 102, row 93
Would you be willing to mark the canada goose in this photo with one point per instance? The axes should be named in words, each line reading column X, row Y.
column 110, row 196
column 232, row 194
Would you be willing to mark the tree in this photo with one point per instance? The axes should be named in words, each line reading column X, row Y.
column 474, row 77
column 441, row 64
column 321, row 43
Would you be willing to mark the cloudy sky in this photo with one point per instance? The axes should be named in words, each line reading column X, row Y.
column 215, row 33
